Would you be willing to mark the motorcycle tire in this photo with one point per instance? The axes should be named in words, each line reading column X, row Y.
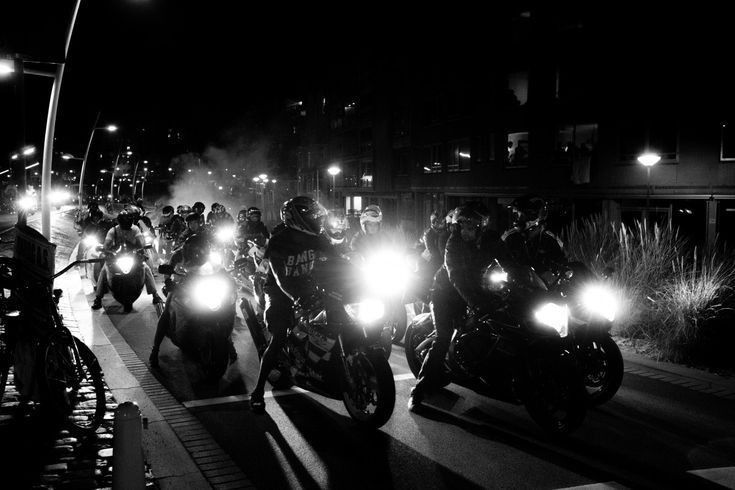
column 214, row 360
column 415, row 353
column 371, row 374
column 556, row 398
column 602, row 366
column 67, row 397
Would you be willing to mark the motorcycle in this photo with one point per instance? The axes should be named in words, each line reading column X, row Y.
column 222, row 245
column 92, row 248
column 201, row 309
column 251, row 273
column 592, row 309
column 520, row 353
column 126, row 275
column 334, row 348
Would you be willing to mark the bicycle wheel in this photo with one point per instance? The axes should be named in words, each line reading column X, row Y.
column 76, row 390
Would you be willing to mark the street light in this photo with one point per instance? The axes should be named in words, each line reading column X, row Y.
column 648, row 160
column 333, row 171
column 111, row 128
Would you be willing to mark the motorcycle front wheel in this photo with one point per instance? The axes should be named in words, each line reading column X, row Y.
column 602, row 366
column 556, row 398
column 214, row 359
column 369, row 394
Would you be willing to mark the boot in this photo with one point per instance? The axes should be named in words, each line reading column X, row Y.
column 97, row 303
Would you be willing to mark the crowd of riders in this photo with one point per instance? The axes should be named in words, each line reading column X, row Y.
column 455, row 247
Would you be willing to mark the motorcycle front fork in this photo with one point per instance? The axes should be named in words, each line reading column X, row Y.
column 343, row 363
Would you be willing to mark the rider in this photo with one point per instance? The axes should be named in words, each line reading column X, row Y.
column 370, row 236
column 219, row 216
column 171, row 226
column 292, row 253
column 432, row 238
column 192, row 255
column 125, row 233
column 457, row 285
column 211, row 215
column 194, row 226
column 199, row 209
column 251, row 227
column 529, row 241
column 336, row 228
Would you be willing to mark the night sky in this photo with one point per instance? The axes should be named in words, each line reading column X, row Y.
column 206, row 66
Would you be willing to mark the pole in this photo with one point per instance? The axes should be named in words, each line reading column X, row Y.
column 334, row 192
column 48, row 146
column 648, row 189
column 84, row 161
column 127, row 454
column 135, row 172
column 114, row 168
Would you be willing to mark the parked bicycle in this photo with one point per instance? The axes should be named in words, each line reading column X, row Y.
column 51, row 366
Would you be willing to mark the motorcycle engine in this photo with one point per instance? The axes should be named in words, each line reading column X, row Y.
column 470, row 350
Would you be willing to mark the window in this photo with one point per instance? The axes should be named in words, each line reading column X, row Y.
column 660, row 137
column 727, row 141
column 518, row 84
column 484, row 148
column 574, row 142
column 403, row 157
column 459, row 156
column 432, row 159
column 517, row 147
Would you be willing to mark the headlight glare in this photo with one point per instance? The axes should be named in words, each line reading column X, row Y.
column 366, row 312
column 125, row 263
column 554, row 316
column 599, row 300
column 210, row 292
column 90, row 241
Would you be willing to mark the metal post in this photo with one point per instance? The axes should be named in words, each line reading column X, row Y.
column 84, row 161
column 48, row 147
column 127, row 455
column 648, row 190
column 135, row 172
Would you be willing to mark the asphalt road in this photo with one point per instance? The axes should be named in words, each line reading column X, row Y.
column 653, row 434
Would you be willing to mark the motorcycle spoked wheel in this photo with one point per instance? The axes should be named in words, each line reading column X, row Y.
column 82, row 408
column 371, row 395
column 416, row 353
column 556, row 398
column 602, row 365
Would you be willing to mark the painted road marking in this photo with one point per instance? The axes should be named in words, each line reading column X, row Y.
column 722, row 476
column 222, row 400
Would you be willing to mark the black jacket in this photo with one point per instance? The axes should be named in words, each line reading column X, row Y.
column 292, row 255
column 538, row 248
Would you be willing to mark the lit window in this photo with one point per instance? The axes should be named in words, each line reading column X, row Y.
column 517, row 149
column 459, row 156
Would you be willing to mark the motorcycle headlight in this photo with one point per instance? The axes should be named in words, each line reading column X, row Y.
column 554, row 316
column 387, row 273
column 495, row 278
column 225, row 234
column 366, row 312
column 27, row 203
column 599, row 300
column 215, row 258
column 125, row 263
column 90, row 241
column 210, row 292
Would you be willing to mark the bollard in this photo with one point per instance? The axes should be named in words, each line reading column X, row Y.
column 128, row 470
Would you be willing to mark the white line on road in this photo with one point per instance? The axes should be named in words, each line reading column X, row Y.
column 222, row 400
column 722, row 476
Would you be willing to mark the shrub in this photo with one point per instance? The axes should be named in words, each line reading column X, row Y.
column 668, row 291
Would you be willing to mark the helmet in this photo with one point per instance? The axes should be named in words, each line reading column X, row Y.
column 167, row 210
column 467, row 214
column 198, row 207
column 528, row 211
column 125, row 219
column 183, row 209
column 450, row 216
column 220, row 209
column 436, row 218
column 139, row 202
column 304, row 214
column 196, row 250
column 215, row 205
column 371, row 214
column 242, row 216
column 481, row 209
column 253, row 211
column 134, row 210
column 96, row 213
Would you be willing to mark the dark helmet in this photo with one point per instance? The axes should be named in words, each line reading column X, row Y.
column 191, row 217
column 528, row 211
column 242, row 216
column 134, row 210
column 125, row 219
column 436, row 218
column 304, row 214
column 215, row 205
column 335, row 225
column 198, row 207
column 196, row 250
column 253, row 211
column 183, row 210
column 167, row 210
column 96, row 213
column 468, row 215
column 220, row 208
column 139, row 202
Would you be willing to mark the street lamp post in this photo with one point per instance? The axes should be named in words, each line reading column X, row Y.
column 648, row 160
column 111, row 128
column 333, row 171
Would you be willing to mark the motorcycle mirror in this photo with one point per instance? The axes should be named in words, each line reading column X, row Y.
column 165, row 269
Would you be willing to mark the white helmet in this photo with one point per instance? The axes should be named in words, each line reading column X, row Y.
column 371, row 214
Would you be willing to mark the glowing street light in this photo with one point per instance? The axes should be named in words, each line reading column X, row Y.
column 333, row 171
column 110, row 128
column 648, row 160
